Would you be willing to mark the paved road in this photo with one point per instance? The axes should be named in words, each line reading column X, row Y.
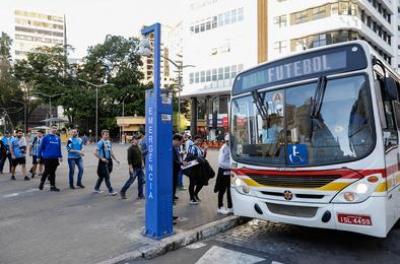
column 77, row 226
column 265, row 242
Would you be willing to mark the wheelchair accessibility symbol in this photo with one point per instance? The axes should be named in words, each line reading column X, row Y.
column 297, row 154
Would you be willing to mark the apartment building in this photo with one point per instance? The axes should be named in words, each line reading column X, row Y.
column 33, row 30
column 299, row 25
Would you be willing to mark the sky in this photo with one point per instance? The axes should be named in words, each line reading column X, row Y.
column 89, row 21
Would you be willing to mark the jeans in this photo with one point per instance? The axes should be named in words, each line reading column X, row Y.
column 137, row 173
column 221, row 193
column 3, row 162
column 180, row 179
column 72, row 163
column 50, row 166
column 103, row 171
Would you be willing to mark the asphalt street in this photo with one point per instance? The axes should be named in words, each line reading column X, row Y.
column 266, row 242
column 78, row 226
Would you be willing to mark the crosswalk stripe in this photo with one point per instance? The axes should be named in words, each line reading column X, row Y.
column 226, row 256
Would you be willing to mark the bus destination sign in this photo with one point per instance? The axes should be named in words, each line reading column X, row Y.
column 298, row 67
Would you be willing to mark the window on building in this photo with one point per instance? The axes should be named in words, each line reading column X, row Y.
column 227, row 72
column 214, row 75
column 281, row 21
column 234, row 15
column 202, row 76
column 208, row 76
column 197, row 77
column 227, row 18
column 208, row 25
column 233, row 71
column 191, row 78
column 240, row 14
column 280, row 46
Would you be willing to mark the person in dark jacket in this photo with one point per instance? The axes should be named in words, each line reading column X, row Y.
column 50, row 152
column 177, row 141
column 135, row 162
column 200, row 173
column 6, row 150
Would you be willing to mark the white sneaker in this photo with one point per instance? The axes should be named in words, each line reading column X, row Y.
column 229, row 210
column 193, row 202
column 97, row 191
column 222, row 210
column 112, row 193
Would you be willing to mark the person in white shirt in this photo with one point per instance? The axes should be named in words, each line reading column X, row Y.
column 223, row 182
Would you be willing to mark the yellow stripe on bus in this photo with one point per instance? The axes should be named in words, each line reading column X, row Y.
column 334, row 186
column 381, row 187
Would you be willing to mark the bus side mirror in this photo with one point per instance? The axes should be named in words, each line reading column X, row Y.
column 390, row 88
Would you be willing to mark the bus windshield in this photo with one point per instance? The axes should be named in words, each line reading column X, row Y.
column 304, row 125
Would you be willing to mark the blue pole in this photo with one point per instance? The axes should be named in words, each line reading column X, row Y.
column 159, row 160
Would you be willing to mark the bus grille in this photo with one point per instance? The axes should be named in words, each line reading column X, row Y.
column 294, row 181
column 292, row 210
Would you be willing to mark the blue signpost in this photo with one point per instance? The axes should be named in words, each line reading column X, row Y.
column 159, row 159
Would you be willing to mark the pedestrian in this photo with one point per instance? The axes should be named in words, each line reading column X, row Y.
column 182, row 153
column 75, row 154
column 177, row 161
column 223, row 182
column 105, row 155
column 85, row 139
column 200, row 173
column 135, row 162
column 188, row 142
column 177, row 141
column 34, row 153
column 18, row 154
column 143, row 148
column 6, row 143
column 50, row 153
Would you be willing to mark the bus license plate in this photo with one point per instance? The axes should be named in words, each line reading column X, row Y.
column 354, row 219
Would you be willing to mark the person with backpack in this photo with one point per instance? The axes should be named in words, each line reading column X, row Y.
column 50, row 153
column 199, row 174
column 75, row 154
column 105, row 155
column 5, row 143
column 34, row 152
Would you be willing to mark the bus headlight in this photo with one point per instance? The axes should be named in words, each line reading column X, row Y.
column 240, row 185
column 357, row 192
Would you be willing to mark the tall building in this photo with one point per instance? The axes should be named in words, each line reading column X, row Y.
column 221, row 37
column 33, row 30
column 298, row 25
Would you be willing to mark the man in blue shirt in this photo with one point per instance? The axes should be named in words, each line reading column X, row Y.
column 75, row 154
column 18, row 151
column 50, row 153
column 6, row 142
column 105, row 155
column 34, row 152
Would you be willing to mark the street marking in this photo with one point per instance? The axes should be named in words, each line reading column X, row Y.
column 226, row 256
column 196, row 245
column 11, row 195
column 275, row 262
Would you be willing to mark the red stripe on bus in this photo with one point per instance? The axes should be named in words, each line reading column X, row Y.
column 345, row 173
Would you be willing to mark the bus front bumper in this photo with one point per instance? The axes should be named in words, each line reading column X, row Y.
column 368, row 217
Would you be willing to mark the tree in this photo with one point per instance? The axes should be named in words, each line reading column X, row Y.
column 8, row 84
column 115, row 61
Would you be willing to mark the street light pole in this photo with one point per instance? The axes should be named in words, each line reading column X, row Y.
column 50, row 96
column 97, row 86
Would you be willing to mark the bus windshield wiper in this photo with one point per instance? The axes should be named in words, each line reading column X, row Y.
column 316, row 104
column 259, row 102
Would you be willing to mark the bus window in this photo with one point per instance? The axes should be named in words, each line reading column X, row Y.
column 390, row 135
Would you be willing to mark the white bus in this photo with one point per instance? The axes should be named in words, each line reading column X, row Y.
column 315, row 140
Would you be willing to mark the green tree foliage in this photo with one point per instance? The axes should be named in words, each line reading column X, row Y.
column 9, row 89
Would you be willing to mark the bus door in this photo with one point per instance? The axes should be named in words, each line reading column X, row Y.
column 390, row 126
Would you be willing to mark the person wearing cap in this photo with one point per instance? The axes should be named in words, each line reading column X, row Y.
column 18, row 151
column 105, row 155
column 6, row 142
column 223, row 182
column 50, row 153
column 135, row 162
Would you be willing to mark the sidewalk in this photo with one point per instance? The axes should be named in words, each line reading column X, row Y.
column 77, row 226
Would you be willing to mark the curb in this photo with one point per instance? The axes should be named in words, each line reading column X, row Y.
column 179, row 240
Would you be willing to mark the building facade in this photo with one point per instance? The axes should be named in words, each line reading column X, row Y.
column 221, row 38
column 33, row 30
column 300, row 25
